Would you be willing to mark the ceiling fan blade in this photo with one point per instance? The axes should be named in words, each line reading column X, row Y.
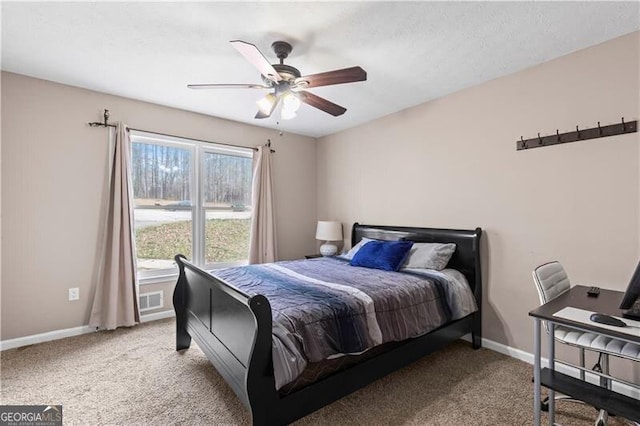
column 257, row 59
column 320, row 103
column 346, row 75
column 227, row 86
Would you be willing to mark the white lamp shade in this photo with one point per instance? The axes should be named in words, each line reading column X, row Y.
column 329, row 231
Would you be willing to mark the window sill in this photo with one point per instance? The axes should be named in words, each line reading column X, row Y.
column 169, row 276
column 157, row 279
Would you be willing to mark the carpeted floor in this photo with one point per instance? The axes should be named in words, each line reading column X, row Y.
column 135, row 377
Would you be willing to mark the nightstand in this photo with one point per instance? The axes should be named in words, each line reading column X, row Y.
column 312, row 256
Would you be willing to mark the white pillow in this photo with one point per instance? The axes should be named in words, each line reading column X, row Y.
column 429, row 256
column 349, row 255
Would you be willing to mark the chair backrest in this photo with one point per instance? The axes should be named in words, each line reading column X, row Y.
column 551, row 281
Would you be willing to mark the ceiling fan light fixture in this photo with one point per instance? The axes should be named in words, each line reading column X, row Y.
column 290, row 105
column 290, row 102
column 267, row 104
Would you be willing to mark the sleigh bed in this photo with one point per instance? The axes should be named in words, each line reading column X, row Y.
column 236, row 332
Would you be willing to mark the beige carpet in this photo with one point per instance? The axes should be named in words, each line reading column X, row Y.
column 135, row 377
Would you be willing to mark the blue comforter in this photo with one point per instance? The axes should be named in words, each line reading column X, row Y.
column 323, row 308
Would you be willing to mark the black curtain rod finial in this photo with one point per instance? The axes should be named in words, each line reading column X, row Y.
column 105, row 122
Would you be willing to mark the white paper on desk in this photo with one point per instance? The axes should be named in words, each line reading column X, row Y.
column 580, row 315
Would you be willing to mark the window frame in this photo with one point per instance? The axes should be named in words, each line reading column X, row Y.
column 198, row 210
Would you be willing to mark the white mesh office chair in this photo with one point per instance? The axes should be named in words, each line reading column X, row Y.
column 551, row 281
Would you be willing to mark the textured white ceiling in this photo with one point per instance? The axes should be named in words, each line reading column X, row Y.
column 412, row 51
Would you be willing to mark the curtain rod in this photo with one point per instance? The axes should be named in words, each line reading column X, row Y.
column 107, row 124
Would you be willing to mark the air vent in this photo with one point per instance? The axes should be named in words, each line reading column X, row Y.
column 151, row 300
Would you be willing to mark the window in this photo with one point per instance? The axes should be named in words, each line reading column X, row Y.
column 192, row 198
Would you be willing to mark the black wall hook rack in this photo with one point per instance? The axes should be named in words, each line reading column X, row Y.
column 579, row 135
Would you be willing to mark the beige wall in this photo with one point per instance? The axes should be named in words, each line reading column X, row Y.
column 53, row 169
column 452, row 163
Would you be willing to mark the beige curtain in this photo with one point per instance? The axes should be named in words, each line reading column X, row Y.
column 115, row 303
column 262, row 248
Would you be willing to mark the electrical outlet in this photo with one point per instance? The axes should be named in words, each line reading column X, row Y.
column 74, row 293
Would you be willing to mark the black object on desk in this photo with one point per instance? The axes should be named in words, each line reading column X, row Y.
column 607, row 319
column 633, row 312
column 593, row 291
column 631, row 301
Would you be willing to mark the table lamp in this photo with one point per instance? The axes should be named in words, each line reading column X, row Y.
column 329, row 231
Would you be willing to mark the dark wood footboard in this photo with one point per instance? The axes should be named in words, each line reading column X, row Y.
column 234, row 330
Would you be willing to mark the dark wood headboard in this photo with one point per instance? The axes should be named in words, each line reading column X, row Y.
column 466, row 258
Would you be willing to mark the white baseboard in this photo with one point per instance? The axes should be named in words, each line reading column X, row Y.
column 45, row 337
column 574, row 372
column 69, row 332
column 157, row 316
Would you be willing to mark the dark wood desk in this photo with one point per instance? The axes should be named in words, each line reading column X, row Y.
column 607, row 303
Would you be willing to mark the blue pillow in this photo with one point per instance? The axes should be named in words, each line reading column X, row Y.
column 385, row 255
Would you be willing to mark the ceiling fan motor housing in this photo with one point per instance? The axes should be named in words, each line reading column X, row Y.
column 287, row 72
column 282, row 49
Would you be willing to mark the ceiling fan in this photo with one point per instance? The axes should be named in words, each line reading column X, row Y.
column 287, row 82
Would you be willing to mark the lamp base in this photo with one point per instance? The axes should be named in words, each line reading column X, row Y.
column 328, row 249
